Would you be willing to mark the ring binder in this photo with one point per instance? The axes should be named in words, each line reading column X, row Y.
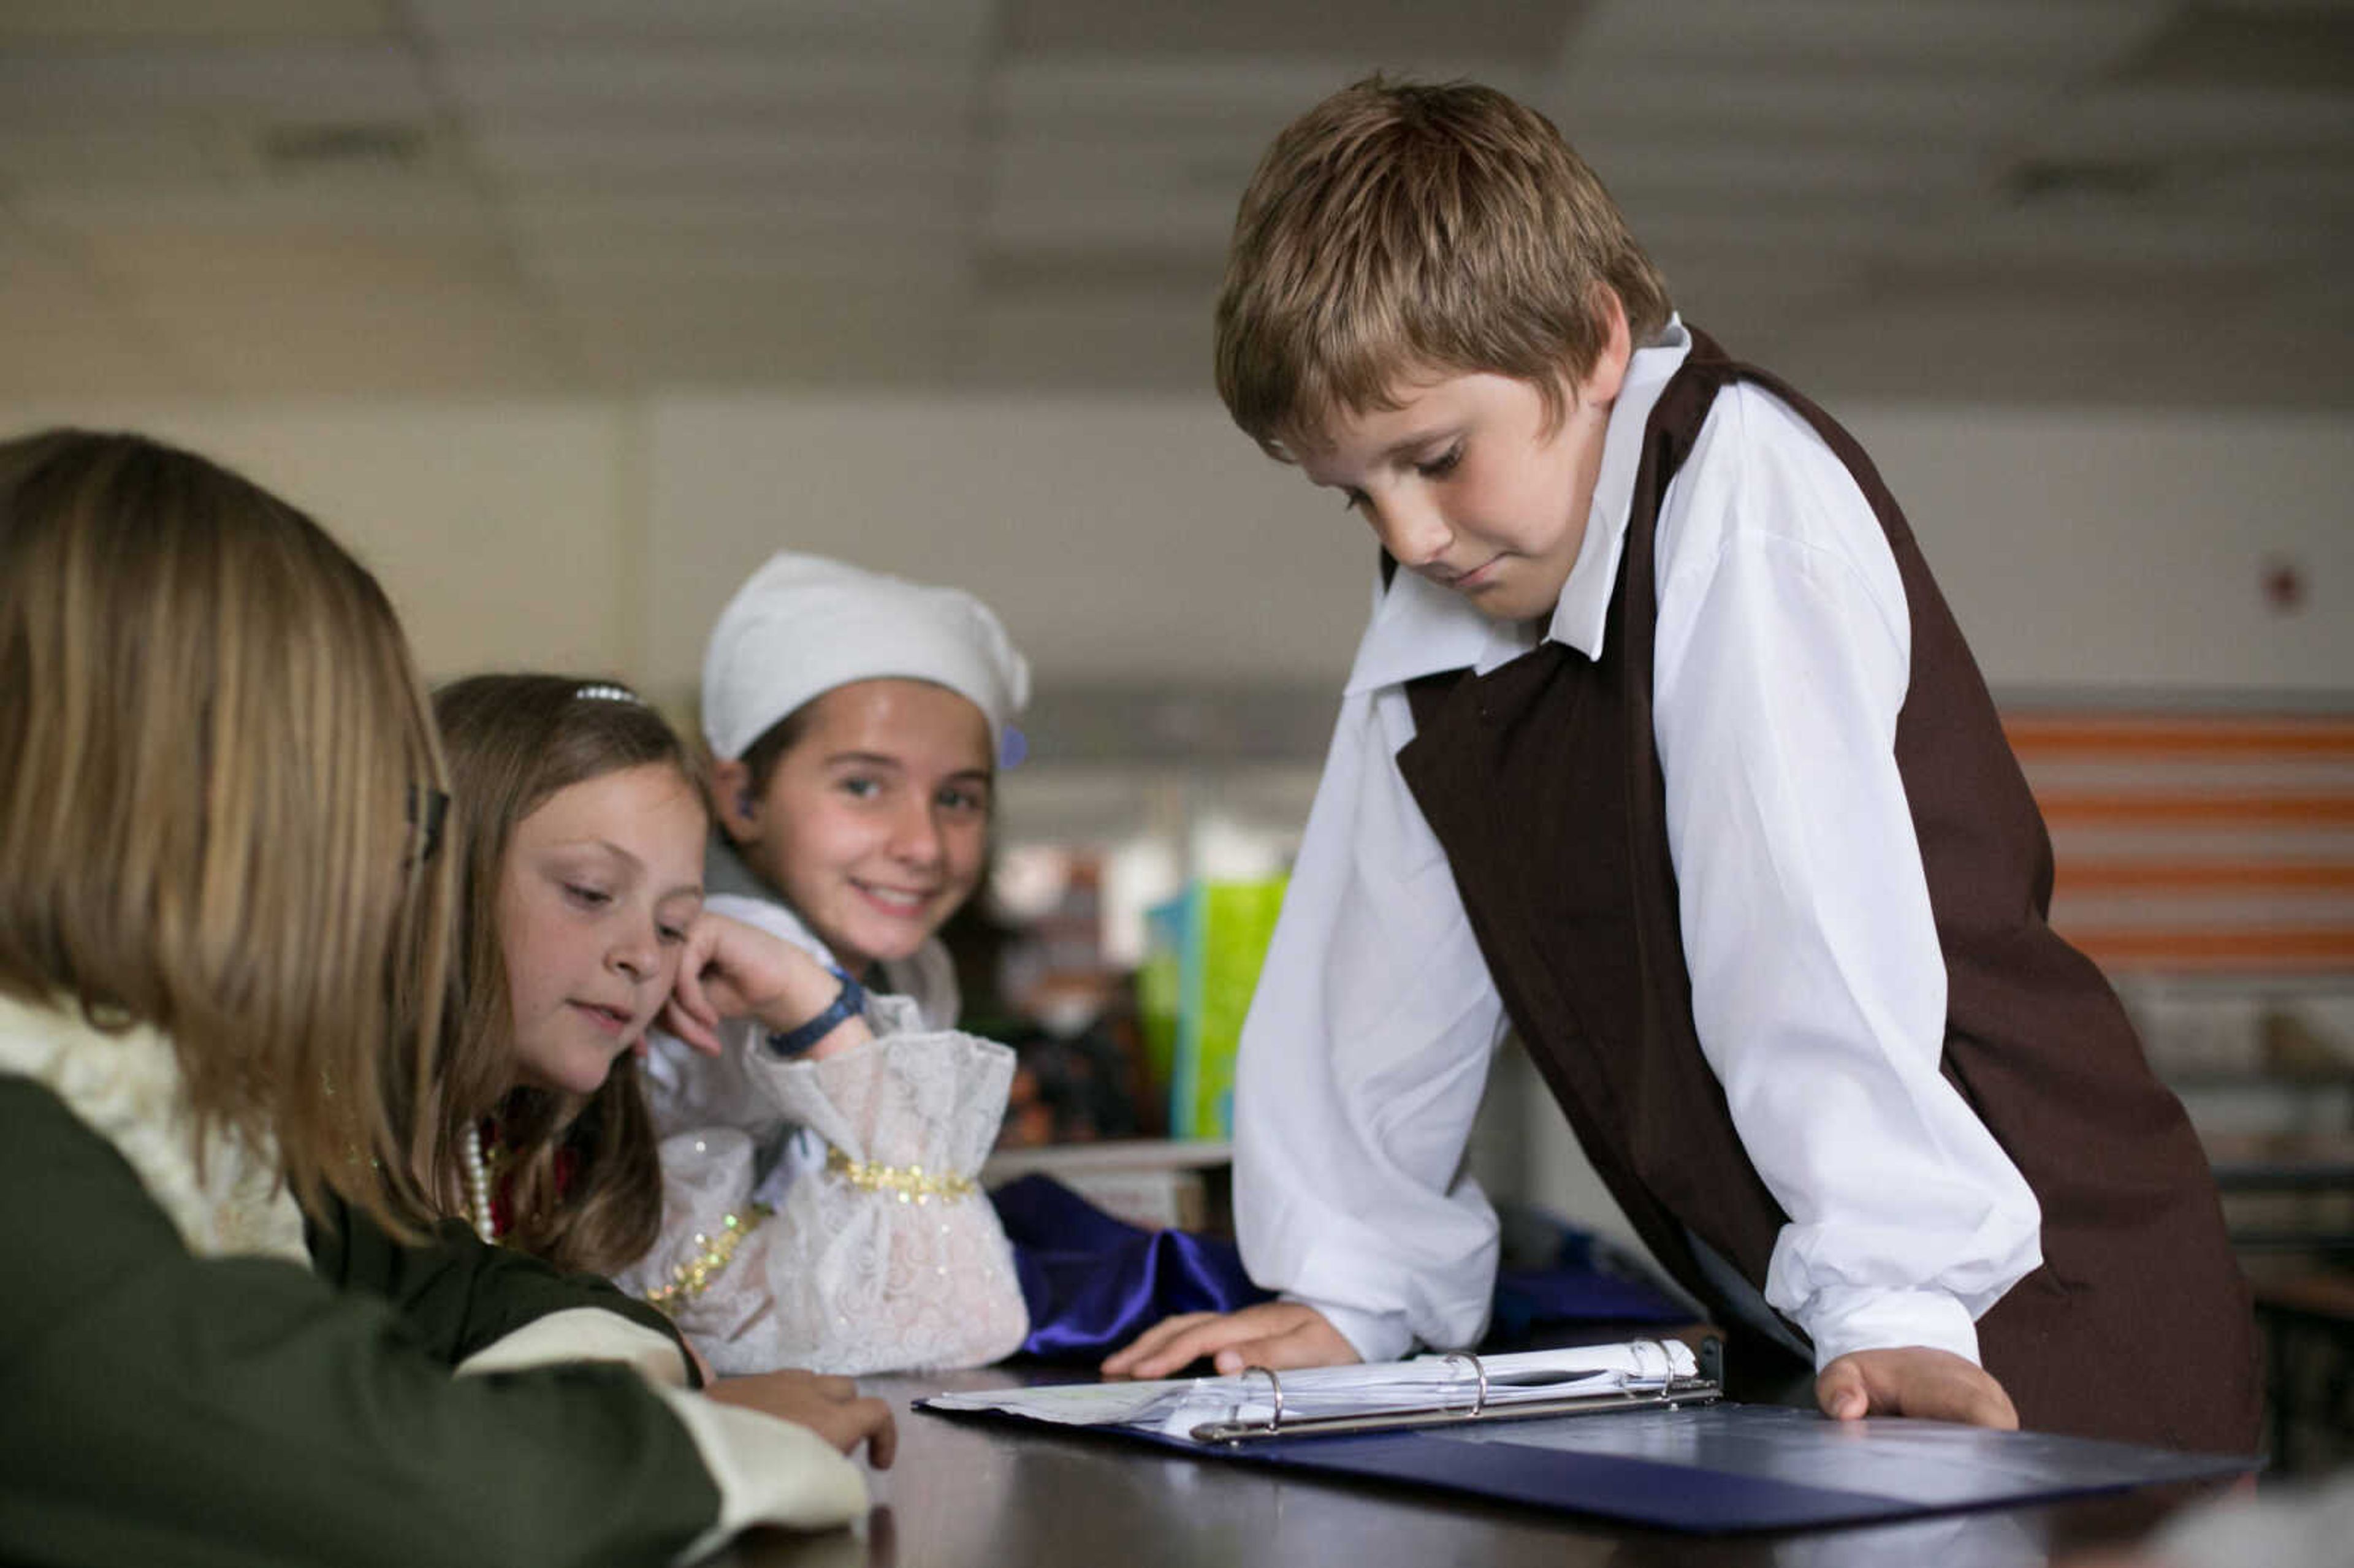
column 1478, row 1370
column 1674, row 1394
column 1275, row 1387
column 1444, row 1386
column 1668, row 1463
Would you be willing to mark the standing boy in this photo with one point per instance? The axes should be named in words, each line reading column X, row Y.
column 1663, row 749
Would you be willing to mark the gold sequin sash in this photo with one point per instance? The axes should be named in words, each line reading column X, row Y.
column 908, row 1184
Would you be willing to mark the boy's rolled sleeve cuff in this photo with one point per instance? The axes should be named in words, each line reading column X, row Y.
column 1374, row 1336
column 1844, row 1319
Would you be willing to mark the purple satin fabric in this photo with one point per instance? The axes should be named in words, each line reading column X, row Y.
column 1093, row 1282
column 1551, row 1272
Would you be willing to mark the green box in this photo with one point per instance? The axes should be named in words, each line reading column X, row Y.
column 1204, row 950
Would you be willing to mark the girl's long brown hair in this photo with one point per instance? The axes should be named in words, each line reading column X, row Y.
column 513, row 742
column 217, row 767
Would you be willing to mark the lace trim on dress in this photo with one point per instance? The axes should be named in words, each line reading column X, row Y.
column 879, row 1262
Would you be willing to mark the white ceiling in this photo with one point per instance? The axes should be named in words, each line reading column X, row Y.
column 2102, row 200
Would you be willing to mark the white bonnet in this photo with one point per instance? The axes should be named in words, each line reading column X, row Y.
column 802, row 625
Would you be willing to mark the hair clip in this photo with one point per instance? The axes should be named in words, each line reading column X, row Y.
column 603, row 692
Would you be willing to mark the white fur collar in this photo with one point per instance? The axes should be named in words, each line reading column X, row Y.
column 126, row 1088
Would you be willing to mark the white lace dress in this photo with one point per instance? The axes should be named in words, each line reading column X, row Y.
column 882, row 1253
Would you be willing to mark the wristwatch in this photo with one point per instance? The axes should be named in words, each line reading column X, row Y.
column 847, row 1004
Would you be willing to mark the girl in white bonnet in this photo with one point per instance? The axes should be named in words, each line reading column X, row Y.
column 854, row 720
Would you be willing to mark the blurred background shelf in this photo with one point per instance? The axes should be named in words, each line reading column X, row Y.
column 1152, row 1182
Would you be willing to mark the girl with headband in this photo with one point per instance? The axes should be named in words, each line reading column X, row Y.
column 224, row 920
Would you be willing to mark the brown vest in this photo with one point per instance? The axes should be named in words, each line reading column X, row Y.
column 1543, row 782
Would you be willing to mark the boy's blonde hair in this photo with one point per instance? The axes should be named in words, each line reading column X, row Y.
column 217, row 777
column 1399, row 228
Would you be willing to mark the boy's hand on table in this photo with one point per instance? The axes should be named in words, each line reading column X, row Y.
column 829, row 1406
column 1278, row 1335
column 1937, row 1385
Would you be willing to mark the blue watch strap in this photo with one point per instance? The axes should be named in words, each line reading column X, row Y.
column 847, row 1004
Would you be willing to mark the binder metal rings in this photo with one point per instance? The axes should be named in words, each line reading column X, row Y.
column 1275, row 1387
column 1479, row 1398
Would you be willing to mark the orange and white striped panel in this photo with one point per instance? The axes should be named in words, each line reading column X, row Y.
column 2215, row 843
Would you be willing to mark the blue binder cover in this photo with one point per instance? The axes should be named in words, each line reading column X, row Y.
column 1730, row 1467
column 1725, row 1468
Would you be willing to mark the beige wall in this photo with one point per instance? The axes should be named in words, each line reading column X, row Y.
column 509, row 536
column 1148, row 540
column 1143, row 539
column 2116, row 550
column 1137, row 539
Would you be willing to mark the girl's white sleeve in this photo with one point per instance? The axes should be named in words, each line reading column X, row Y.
column 1361, row 1064
column 768, row 1471
column 887, row 1255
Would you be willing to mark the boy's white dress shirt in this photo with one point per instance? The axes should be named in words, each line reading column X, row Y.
column 1819, row 988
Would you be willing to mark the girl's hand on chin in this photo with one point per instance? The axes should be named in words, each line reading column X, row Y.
column 730, row 970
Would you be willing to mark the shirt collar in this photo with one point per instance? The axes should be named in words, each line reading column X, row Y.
column 1585, row 607
column 1418, row 627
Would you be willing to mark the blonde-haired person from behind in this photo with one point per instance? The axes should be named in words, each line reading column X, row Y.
column 856, row 720
column 223, row 931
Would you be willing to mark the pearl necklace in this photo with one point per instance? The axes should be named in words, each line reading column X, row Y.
column 478, row 1184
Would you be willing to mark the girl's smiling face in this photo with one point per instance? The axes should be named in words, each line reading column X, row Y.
column 874, row 823
column 599, row 887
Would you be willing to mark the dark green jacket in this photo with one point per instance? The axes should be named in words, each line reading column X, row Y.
column 160, row 1409
column 458, row 1291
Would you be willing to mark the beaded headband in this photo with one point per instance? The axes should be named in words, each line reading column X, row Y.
column 601, row 691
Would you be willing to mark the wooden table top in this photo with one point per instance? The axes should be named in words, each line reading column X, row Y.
column 971, row 1494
